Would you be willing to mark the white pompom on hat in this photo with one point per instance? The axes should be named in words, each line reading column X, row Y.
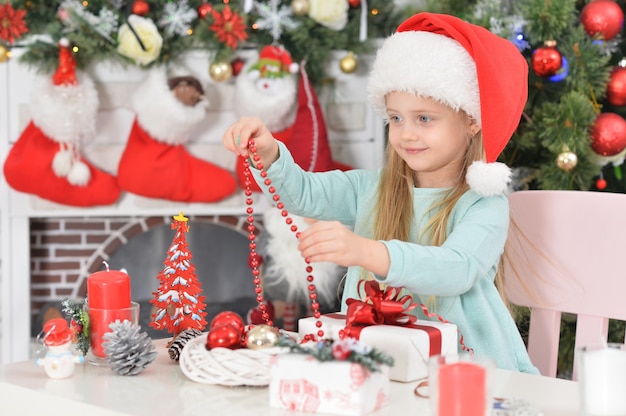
column 464, row 66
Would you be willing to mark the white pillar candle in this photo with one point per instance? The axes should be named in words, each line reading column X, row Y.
column 603, row 380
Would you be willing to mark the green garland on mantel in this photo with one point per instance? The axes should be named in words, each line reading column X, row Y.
column 93, row 25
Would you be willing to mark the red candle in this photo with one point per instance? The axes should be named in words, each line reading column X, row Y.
column 108, row 289
column 462, row 389
column 108, row 299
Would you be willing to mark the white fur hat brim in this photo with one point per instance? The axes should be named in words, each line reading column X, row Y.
column 428, row 65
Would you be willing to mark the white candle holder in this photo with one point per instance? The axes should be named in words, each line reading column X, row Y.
column 99, row 321
column 602, row 379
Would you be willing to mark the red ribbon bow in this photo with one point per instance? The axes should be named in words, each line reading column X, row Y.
column 378, row 307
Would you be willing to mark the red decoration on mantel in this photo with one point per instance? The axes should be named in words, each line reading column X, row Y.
column 254, row 263
column 204, row 10
column 178, row 303
column 141, row 7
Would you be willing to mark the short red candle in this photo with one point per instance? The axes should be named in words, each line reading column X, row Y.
column 108, row 289
column 108, row 299
column 462, row 389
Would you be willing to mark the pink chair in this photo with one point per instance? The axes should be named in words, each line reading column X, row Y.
column 566, row 252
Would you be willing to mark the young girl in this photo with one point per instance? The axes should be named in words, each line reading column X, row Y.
column 434, row 219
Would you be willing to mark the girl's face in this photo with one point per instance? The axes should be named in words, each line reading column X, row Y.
column 430, row 137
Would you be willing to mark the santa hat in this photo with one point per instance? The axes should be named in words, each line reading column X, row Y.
column 465, row 67
column 56, row 332
column 46, row 159
column 274, row 62
column 66, row 71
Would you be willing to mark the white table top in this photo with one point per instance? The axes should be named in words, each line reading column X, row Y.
column 162, row 389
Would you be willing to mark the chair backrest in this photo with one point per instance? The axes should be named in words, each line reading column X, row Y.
column 566, row 253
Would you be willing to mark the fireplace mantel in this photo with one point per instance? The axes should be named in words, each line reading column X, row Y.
column 356, row 137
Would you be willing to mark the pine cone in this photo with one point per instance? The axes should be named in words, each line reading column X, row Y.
column 180, row 341
column 128, row 351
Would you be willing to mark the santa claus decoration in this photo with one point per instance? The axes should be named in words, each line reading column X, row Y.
column 46, row 160
column 156, row 162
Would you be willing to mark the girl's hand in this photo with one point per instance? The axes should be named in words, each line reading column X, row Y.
column 333, row 242
column 239, row 134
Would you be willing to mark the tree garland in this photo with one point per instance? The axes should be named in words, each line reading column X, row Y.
column 348, row 349
column 93, row 30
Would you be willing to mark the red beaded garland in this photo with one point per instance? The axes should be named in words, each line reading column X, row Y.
column 252, row 237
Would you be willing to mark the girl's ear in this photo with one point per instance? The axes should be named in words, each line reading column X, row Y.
column 474, row 128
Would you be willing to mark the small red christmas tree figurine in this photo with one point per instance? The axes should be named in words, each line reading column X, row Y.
column 179, row 305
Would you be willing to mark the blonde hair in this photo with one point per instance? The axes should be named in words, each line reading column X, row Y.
column 393, row 212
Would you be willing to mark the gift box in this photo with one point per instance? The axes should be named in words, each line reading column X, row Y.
column 300, row 382
column 410, row 345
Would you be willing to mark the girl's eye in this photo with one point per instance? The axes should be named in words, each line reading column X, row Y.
column 423, row 119
column 395, row 119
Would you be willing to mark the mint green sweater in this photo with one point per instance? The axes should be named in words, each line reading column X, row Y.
column 460, row 273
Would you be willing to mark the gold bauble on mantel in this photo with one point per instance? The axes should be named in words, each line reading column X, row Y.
column 300, row 7
column 220, row 71
column 4, row 53
column 348, row 63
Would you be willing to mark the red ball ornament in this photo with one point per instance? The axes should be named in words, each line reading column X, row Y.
column 354, row 3
column 224, row 336
column 608, row 134
column 546, row 60
column 141, row 7
column 204, row 10
column 616, row 88
column 228, row 318
column 603, row 17
column 237, row 65
column 601, row 184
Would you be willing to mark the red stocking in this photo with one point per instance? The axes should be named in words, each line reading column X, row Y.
column 28, row 168
column 155, row 169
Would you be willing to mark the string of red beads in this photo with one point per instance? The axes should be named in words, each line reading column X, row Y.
column 254, row 263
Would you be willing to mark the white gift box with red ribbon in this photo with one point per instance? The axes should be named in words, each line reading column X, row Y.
column 410, row 345
column 300, row 382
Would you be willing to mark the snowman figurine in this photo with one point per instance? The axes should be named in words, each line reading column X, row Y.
column 59, row 359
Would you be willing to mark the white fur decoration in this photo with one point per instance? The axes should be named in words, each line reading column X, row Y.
column 275, row 106
column 287, row 266
column 161, row 114
column 62, row 162
column 488, row 179
column 79, row 175
column 65, row 113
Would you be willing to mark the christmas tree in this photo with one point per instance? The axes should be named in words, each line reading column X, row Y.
column 179, row 305
column 572, row 135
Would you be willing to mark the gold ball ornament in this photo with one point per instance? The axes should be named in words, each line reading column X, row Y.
column 300, row 7
column 4, row 53
column 567, row 161
column 220, row 71
column 261, row 336
column 348, row 63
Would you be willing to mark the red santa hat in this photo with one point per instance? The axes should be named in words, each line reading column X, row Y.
column 66, row 71
column 466, row 67
column 56, row 332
